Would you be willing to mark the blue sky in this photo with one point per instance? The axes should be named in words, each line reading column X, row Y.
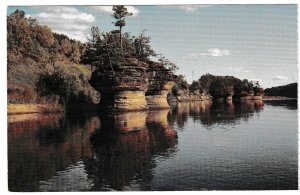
column 257, row 42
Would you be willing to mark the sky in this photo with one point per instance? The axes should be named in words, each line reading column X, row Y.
column 254, row 42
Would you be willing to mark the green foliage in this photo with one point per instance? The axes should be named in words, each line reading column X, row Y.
column 222, row 85
column 102, row 50
column 142, row 47
column 120, row 13
column 290, row 90
column 69, row 83
column 180, row 84
column 31, row 48
column 168, row 64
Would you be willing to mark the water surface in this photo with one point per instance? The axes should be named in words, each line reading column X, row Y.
column 248, row 145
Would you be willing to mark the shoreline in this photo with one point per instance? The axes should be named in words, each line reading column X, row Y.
column 13, row 109
column 277, row 98
column 16, row 109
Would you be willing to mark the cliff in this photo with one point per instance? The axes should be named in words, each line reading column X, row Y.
column 160, row 82
column 123, row 87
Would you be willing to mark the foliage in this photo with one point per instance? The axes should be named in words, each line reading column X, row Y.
column 31, row 49
column 103, row 52
column 142, row 47
column 120, row 13
column 168, row 64
column 102, row 49
column 69, row 83
column 180, row 84
column 289, row 90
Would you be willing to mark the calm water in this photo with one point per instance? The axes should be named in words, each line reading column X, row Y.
column 193, row 146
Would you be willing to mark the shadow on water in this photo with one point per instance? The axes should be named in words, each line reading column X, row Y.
column 125, row 148
column 41, row 145
column 114, row 150
column 289, row 104
column 101, row 152
column 211, row 113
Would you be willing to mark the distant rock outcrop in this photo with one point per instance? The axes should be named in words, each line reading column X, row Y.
column 187, row 95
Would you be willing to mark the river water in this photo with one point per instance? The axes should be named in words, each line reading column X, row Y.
column 193, row 146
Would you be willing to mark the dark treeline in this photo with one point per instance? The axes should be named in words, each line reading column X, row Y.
column 289, row 90
column 219, row 86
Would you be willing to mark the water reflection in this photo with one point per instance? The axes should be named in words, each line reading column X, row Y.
column 41, row 145
column 124, row 161
column 142, row 151
column 289, row 104
column 215, row 113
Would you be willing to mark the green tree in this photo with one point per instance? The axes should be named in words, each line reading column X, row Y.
column 142, row 47
column 168, row 64
column 120, row 13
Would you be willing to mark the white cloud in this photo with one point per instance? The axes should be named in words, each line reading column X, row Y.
column 213, row 53
column 66, row 20
column 280, row 78
column 188, row 8
column 108, row 9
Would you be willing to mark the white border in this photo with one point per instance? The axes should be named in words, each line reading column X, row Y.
column 3, row 71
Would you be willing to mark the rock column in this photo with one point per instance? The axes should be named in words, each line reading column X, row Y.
column 160, row 83
column 123, row 88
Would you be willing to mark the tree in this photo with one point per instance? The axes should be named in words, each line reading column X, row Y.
column 142, row 47
column 168, row 64
column 120, row 13
column 102, row 50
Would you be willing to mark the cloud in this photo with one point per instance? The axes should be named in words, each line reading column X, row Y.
column 66, row 20
column 108, row 9
column 280, row 78
column 213, row 53
column 188, row 8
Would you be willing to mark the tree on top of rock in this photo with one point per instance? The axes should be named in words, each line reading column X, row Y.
column 120, row 13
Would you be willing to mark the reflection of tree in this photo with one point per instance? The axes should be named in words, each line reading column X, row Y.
column 215, row 113
column 289, row 104
column 38, row 148
column 123, row 159
column 228, row 113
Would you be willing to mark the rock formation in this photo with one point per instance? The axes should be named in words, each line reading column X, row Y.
column 160, row 82
column 187, row 96
column 223, row 94
column 122, row 88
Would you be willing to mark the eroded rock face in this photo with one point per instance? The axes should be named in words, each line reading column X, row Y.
column 160, row 82
column 225, row 94
column 187, row 96
column 123, row 88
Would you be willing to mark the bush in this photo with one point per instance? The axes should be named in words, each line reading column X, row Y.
column 70, row 83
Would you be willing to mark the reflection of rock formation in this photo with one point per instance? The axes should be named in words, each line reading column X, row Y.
column 125, row 160
column 160, row 83
column 40, row 147
column 220, row 93
column 182, row 110
column 124, row 88
column 124, row 122
column 212, row 113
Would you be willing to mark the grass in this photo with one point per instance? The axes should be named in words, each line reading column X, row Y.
column 33, row 108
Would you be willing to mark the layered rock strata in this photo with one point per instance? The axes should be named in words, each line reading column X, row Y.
column 160, row 82
column 122, row 88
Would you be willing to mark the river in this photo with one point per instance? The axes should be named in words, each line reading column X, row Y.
column 249, row 145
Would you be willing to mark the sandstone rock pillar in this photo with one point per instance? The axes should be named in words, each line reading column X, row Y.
column 160, row 83
column 122, row 89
